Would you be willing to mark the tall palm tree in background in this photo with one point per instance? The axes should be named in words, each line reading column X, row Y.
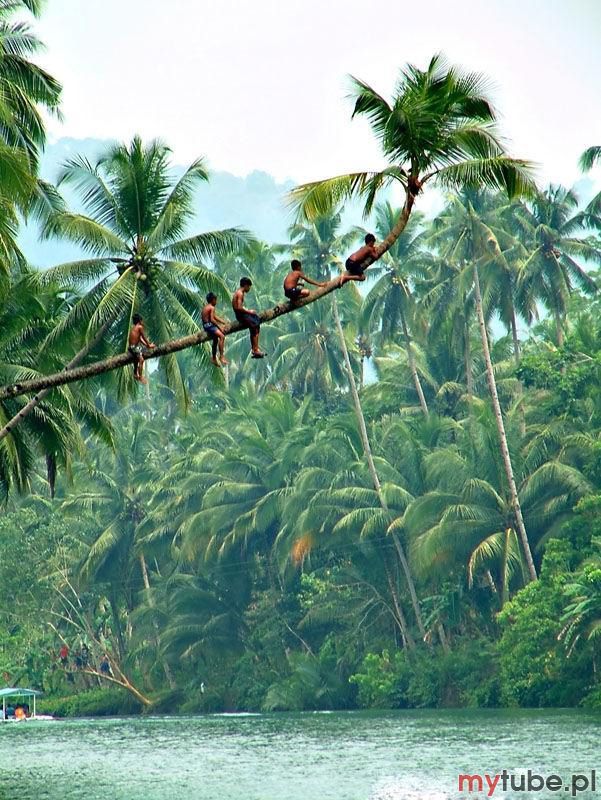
column 548, row 226
column 390, row 304
column 466, row 516
column 472, row 246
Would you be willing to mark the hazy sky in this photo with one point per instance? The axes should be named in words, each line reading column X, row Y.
column 261, row 84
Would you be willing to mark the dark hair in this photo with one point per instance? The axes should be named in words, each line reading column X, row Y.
column 136, row 319
column 295, row 264
column 370, row 238
column 211, row 296
column 245, row 282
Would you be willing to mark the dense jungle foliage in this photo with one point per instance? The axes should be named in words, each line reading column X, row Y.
column 398, row 507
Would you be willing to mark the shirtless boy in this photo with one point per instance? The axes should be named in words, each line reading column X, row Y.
column 137, row 342
column 355, row 268
column 247, row 316
column 291, row 288
column 210, row 324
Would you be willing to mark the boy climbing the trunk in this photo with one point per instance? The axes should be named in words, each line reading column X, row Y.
column 292, row 290
column 137, row 342
column 355, row 263
column 210, row 324
column 248, row 316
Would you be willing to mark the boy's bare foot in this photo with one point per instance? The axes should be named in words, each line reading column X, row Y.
column 224, row 361
column 257, row 354
column 140, row 379
column 214, row 361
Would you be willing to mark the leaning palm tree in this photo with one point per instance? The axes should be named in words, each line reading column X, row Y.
column 138, row 213
column 439, row 127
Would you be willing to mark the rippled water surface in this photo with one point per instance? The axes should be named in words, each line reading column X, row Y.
column 342, row 756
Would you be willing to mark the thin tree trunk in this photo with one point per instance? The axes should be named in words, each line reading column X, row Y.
column 514, row 336
column 469, row 372
column 515, row 501
column 558, row 329
column 155, row 624
column 117, row 624
column 402, row 622
column 413, row 368
column 443, row 638
column 174, row 346
column 37, row 399
column 372, row 468
column 516, row 356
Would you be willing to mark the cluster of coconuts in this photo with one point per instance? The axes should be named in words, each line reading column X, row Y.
column 146, row 270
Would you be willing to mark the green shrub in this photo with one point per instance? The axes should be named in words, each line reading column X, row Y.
column 93, row 703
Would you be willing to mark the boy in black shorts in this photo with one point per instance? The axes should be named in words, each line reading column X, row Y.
column 248, row 316
column 291, row 288
column 355, row 268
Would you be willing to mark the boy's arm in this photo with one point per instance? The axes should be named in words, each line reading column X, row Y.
column 219, row 320
column 144, row 340
column 310, row 280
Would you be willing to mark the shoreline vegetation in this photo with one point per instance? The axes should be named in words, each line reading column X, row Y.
column 397, row 508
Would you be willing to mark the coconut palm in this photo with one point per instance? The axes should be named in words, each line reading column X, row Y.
column 28, row 314
column 439, row 127
column 390, row 304
column 582, row 615
column 112, row 492
column 138, row 212
column 25, row 88
column 467, row 518
column 548, row 227
column 473, row 246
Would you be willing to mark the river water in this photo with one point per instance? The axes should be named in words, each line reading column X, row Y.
column 339, row 756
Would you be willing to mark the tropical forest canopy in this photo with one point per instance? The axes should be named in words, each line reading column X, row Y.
column 398, row 507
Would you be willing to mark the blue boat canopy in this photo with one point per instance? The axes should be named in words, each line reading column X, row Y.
column 15, row 692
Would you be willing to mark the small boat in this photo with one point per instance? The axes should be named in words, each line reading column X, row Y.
column 20, row 694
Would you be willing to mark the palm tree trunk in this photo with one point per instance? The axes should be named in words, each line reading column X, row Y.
column 174, row 346
column 166, row 667
column 400, row 616
column 514, row 336
column 490, row 375
column 558, row 328
column 412, row 366
column 516, row 356
column 372, row 468
column 117, row 624
column 398, row 227
column 37, row 399
column 469, row 372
